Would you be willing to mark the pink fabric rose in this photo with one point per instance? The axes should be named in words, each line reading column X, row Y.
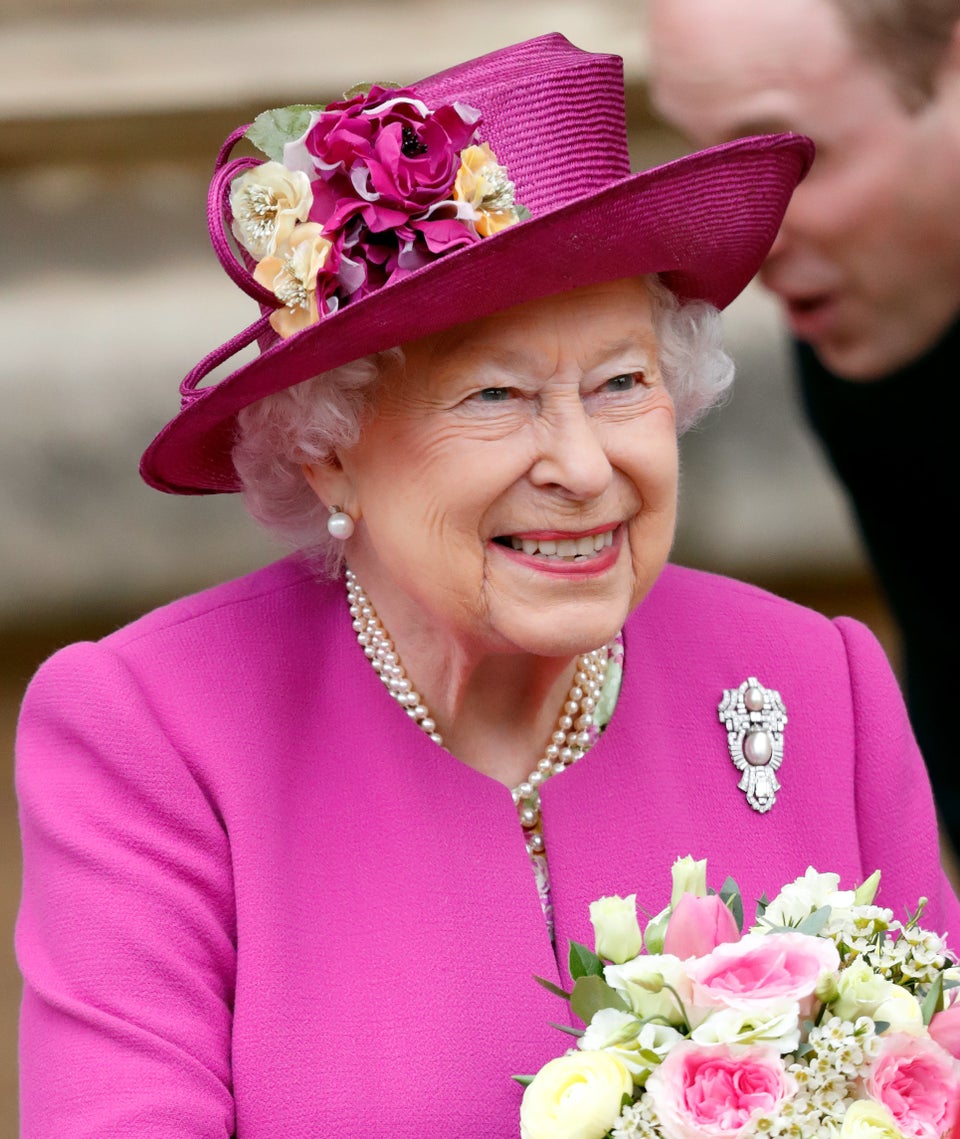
column 760, row 968
column 713, row 1091
column 918, row 1083
column 945, row 1029
column 699, row 925
column 388, row 150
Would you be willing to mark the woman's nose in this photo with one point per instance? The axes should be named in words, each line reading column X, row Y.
column 571, row 455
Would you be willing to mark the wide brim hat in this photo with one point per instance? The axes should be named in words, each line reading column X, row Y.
column 554, row 117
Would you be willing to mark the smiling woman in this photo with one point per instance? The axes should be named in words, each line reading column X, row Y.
column 294, row 846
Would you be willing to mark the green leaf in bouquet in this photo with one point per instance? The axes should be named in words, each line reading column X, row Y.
column 813, row 923
column 584, row 962
column 271, row 130
column 590, row 994
column 523, row 1081
column 730, row 896
column 762, row 902
column 567, row 1028
column 933, row 1001
column 551, row 987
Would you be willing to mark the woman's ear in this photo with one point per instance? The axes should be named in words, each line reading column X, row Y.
column 331, row 484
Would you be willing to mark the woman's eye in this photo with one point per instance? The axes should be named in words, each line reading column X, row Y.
column 624, row 383
column 493, row 395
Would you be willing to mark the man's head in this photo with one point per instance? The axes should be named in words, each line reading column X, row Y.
column 868, row 260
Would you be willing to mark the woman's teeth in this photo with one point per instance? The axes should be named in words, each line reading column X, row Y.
column 564, row 547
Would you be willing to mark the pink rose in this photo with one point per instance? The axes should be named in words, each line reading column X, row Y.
column 945, row 1029
column 918, row 1083
column 698, row 925
column 760, row 968
column 713, row 1091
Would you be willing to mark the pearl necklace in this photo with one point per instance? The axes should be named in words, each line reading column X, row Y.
column 571, row 737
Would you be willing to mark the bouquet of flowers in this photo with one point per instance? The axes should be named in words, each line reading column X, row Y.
column 828, row 1017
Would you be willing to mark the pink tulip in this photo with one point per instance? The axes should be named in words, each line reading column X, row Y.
column 945, row 1029
column 699, row 925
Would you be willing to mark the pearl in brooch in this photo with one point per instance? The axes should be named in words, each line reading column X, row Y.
column 571, row 738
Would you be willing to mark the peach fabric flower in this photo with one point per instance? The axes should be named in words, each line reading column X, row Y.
column 292, row 276
column 266, row 203
column 713, row 1091
column 761, row 968
column 918, row 1083
column 483, row 184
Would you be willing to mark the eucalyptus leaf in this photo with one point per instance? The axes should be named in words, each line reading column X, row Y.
column 730, row 895
column 523, row 1081
column 270, row 131
column 813, row 923
column 590, row 994
column 933, row 1001
column 568, row 1029
column 584, row 962
column 551, row 987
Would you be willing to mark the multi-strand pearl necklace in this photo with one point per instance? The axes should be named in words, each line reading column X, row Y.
column 571, row 738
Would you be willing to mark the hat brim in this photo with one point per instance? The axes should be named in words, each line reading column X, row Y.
column 704, row 223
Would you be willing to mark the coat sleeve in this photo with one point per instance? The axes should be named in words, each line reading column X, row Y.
column 126, row 933
column 895, row 814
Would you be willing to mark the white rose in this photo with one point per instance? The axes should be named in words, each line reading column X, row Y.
column 777, row 1023
column 616, row 930
column 577, row 1096
column 266, row 203
column 621, row 1033
column 862, row 992
column 804, row 896
column 642, row 983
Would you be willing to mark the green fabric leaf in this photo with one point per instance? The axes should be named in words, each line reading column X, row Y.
column 271, row 130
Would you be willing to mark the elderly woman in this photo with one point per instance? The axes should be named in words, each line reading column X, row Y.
column 295, row 847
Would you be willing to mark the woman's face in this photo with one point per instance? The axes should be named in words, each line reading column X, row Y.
column 516, row 489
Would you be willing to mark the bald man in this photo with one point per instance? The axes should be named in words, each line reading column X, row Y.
column 867, row 268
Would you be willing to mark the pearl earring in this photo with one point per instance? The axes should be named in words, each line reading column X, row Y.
column 339, row 524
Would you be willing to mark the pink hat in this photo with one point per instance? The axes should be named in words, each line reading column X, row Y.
column 408, row 211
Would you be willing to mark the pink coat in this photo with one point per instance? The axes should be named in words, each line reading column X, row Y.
column 259, row 902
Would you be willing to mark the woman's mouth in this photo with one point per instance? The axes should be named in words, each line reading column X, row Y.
column 564, row 549
column 561, row 552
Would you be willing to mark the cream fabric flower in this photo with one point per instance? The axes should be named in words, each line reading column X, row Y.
column 267, row 202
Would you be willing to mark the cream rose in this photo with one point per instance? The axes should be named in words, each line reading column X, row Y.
column 862, row 992
column 805, row 896
column 577, row 1096
column 615, row 927
column 866, row 1119
column 266, row 203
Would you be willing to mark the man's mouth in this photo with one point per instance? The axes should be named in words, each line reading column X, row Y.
column 565, row 549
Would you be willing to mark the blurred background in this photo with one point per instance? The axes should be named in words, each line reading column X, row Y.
column 111, row 113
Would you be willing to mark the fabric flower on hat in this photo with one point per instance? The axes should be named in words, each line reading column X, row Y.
column 304, row 265
column 482, row 183
column 266, row 203
column 371, row 188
